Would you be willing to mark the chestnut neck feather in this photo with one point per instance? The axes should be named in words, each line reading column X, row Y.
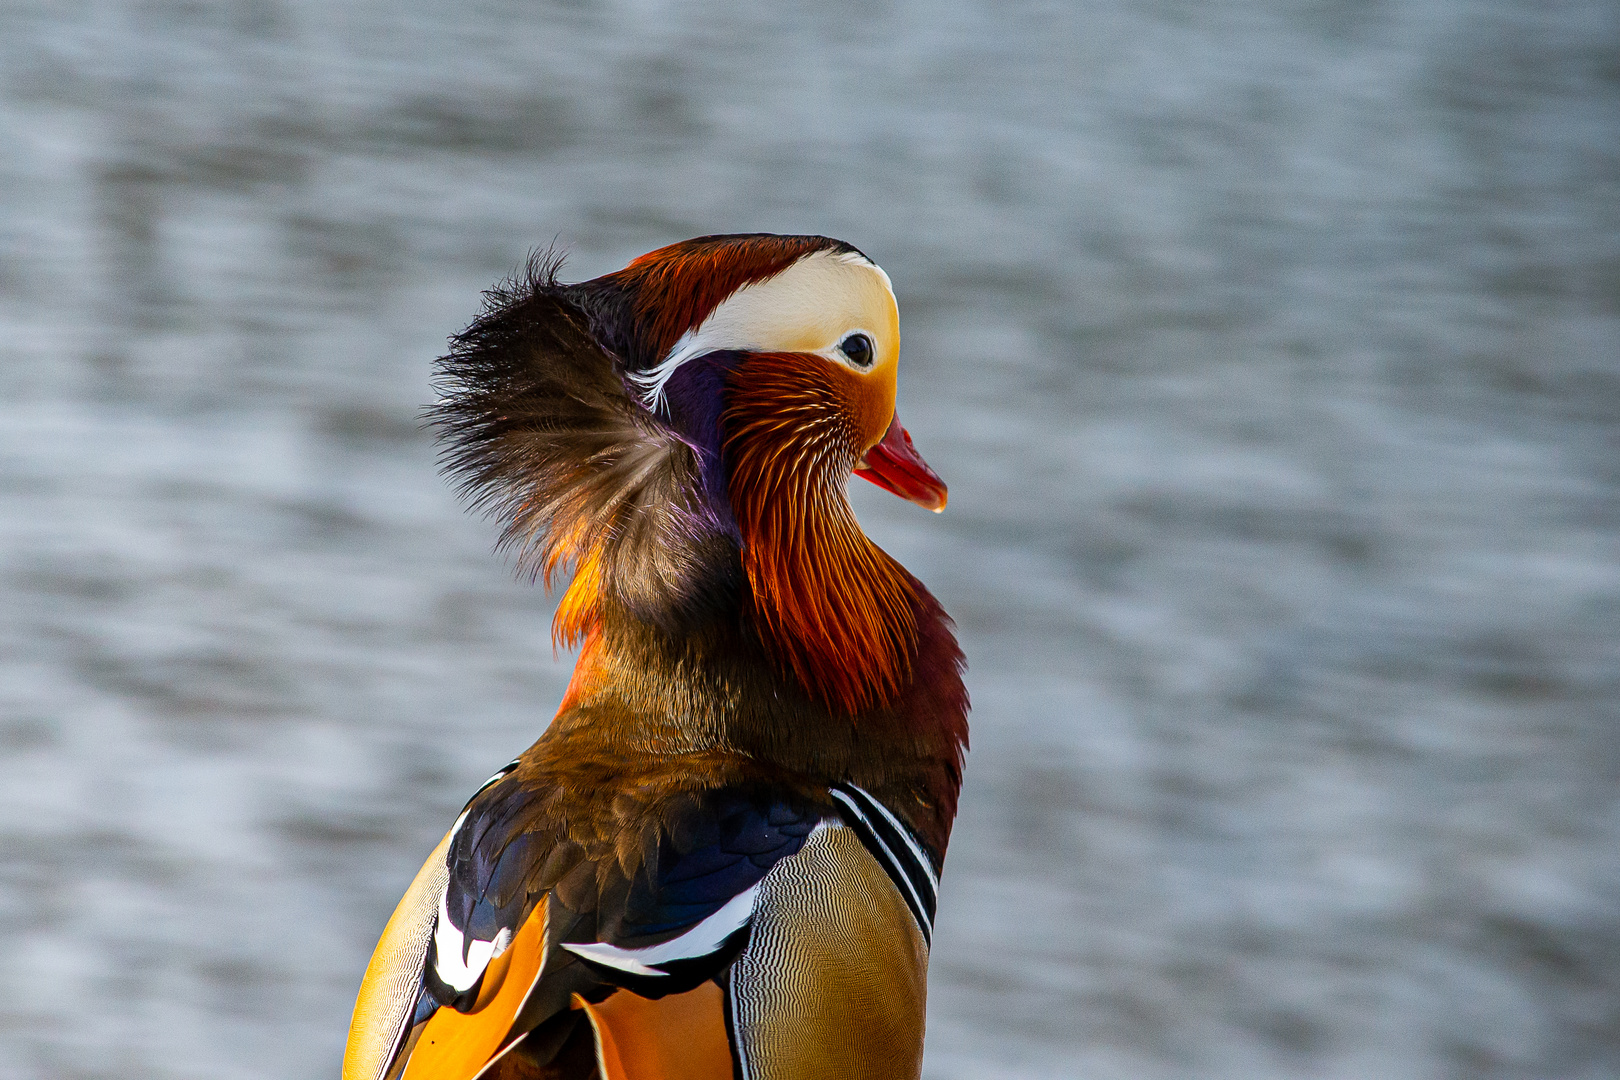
column 833, row 608
column 711, row 701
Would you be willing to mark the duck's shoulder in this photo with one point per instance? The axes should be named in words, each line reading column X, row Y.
column 654, row 856
column 571, row 877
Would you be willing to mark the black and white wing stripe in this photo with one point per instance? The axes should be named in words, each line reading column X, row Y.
column 393, row 998
column 459, row 955
column 896, row 850
column 679, row 963
column 704, row 889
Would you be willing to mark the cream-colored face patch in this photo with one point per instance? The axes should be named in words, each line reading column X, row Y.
column 813, row 306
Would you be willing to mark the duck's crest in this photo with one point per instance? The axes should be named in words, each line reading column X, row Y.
column 540, row 432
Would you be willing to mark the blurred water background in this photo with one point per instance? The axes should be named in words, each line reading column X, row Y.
column 1272, row 352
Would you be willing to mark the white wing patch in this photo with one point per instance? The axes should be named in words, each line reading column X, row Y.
column 450, row 946
column 458, row 962
column 704, row 938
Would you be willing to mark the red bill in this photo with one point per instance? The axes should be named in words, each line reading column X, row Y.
column 895, row 465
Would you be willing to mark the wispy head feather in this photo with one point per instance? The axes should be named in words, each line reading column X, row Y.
column 541, row 433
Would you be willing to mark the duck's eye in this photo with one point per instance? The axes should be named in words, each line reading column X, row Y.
column 858, row 347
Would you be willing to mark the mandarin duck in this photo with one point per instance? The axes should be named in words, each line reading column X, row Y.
column 721, row 858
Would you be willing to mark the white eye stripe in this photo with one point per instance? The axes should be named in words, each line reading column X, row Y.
column 813, row 306
column 651, row 382
column 855, row 258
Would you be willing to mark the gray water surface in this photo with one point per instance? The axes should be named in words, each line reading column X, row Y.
column 1272, row 352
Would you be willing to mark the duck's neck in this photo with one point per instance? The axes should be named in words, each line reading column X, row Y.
column 831, row 606
column 794, row 642
column 641, row 691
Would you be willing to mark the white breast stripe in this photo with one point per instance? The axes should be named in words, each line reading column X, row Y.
column 486, row 785
column 916, row 901
column 738, row 1049
column 504, row 770
column 459, row 974
column 905, row 834
column 701, row 940
column 830, row 916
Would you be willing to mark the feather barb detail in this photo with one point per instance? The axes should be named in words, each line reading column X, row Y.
column 837, row 611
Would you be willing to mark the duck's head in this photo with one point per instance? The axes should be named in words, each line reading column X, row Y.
column 720, row 389
column 798, row 336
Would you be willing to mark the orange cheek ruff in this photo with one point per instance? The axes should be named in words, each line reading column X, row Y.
column 835, row 610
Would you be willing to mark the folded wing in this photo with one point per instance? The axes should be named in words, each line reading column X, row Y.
column 519, row 925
